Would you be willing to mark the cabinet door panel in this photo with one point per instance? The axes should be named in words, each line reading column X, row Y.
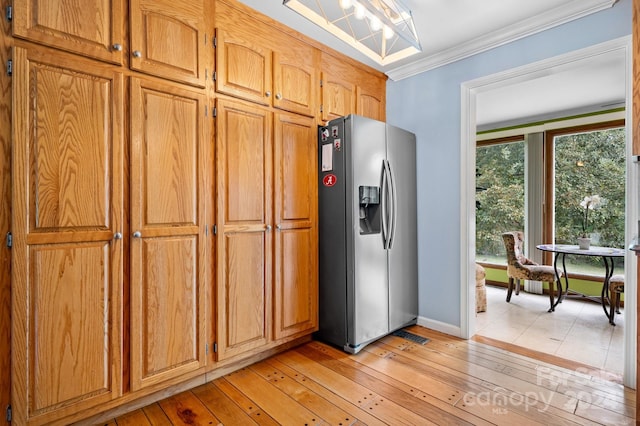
column 243, row 67
column 168, row 39
column 67, row 206
column 88, row 27
column 338, row 97
column 168, row 223
column 296, row 241
column 371, row 97
column 296, row 80
column 243, row 170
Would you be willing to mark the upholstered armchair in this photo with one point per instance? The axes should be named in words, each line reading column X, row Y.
column 521, row 268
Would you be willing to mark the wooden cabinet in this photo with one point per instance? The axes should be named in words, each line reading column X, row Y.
column 347, row 89
column 296, row 219
column 67, row 215
column 248, row 67
column 168, row 175
column 267, row 232
column 245, row 234
column 168, row 39
column 92, row 28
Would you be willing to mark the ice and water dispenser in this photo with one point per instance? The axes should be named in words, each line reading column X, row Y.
column 369, row 199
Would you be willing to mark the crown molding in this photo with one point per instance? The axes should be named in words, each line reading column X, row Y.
column 544, row 21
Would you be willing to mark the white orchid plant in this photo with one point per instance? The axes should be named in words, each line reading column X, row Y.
column 589, row 203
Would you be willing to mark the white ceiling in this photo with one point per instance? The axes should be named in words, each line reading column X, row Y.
column 454, row 29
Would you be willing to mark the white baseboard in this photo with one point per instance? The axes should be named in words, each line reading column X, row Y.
column 440, row 326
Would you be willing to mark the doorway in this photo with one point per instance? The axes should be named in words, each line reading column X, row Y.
column 469, row 97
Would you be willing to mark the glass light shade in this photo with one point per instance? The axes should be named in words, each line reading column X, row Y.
column 387, row 35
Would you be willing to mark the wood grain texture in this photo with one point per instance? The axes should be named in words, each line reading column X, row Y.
column 396, row 381
column 66, row 328
column 168, row 268
column 5, row 216
column 88, row 27
column 170, row 38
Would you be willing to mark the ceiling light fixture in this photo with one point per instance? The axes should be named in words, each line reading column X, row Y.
column 381, row 29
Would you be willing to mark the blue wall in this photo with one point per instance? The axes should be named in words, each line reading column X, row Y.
column 428, row 104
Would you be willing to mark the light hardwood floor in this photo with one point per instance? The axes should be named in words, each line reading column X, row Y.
column 396, row 381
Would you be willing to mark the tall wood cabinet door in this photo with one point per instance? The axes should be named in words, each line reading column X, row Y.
column 92, row 28
column 168, row 39
column 244, row 240
column 296, row 218
column 338, row 96
column 243, row 66
column 67, row 172
column 167, row 231
column 295, row 80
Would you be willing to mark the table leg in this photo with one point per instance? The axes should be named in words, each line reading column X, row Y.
column 606, row 299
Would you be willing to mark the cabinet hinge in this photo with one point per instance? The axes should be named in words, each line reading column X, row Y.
column 9, row 67
column 206, row 349
column 321, row 110
column 8, row 416
column 215, row 42
column 206, row 74
column 205, row 39
column 214, row 229
column 321, row 83
column 9, row 240
column 206, row 231
column 8, row 13
column 214, row 75
column 215, row 111
column 206, row 110
column 215, row 347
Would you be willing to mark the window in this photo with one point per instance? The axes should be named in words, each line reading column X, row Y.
column 584, row 162
column 499, row 195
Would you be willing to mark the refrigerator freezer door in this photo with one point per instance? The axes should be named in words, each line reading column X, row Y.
column 369, row 318
column 403, row 254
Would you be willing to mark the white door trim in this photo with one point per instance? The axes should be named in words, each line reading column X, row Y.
column 469, row 91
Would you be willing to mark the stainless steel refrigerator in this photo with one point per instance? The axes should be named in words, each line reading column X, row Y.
column 368, row 231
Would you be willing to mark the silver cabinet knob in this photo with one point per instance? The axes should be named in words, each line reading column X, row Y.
column 268, row 93
column 268, row 228
column 117, row 236
column 137, row 54
column 117, row 47
column 278, row 96
column 278, row 227
column 137, row 234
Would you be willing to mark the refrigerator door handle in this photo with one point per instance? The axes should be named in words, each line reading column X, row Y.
column 384, row 206
column 388, row 205
column 394, row 206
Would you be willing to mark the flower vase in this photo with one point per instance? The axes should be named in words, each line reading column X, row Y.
column 584, row 243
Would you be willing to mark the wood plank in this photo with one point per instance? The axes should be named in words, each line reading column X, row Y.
column 134, row 418
column 247, row 405
column 361, row 416
column 222, row 406
column 503, row 394
column 419, row 399
column 156, row 416
column 272, row 400
column 185, row 408
column 303, row 395
column 366, row 398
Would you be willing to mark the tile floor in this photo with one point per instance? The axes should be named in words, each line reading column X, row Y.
column 577, row 330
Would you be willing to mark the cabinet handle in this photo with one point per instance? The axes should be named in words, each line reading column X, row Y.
column 117, row 47
column 137, row 54
column 268, row 228
column 278, row 96
column 137, row 234
column 117, row 236
column 278, row 227
column 268, row 94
